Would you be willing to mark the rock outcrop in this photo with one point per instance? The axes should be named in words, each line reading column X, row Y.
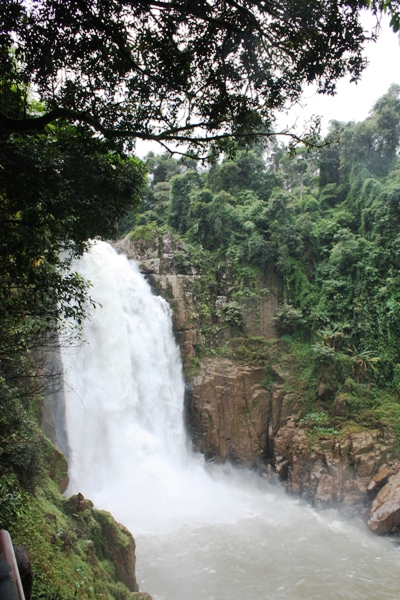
column 233, row 417
column 384, row 514
column 110, row 540
column 119, row 549
column 329, row 470
column 229, row 412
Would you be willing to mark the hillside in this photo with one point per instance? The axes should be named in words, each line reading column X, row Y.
column 283, row 272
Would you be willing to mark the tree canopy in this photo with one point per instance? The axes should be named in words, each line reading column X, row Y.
column 324, row 222
column 58, row 189
column 173, row 70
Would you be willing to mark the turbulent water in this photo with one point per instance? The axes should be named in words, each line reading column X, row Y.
column 202, row 532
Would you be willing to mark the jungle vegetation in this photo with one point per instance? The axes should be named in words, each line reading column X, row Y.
column 325, row 221
column 197, row 73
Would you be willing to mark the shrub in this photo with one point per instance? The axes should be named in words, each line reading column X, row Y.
column 323, row 355
column 396, row 378
column 288, row 319
column 233, row 314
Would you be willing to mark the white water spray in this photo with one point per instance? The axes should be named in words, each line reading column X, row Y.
column 202, row 533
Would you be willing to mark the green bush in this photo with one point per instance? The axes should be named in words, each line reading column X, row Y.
column 146, row 232
column 233, row 314
column 323, row 355
column 288, row 319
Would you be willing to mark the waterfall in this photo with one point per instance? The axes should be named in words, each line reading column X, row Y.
column 202, row 532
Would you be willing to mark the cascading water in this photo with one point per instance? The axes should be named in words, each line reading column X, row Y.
column 202, row 532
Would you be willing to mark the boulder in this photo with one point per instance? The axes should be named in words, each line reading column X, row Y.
column 79, row 503
column 379, row 480
column 384, row 514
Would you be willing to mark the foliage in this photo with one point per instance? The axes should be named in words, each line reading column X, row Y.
column 147, row 232
column 233, row 313
column 128, row 70
column 324, row 223
column 12, row 501
column 323, row 355
column 288, row 319
column 362, row 362
column 66, row 547
column 319, row 418
column 331, row 336
column 58, row 189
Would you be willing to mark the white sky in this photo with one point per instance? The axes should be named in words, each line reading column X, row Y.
column 352, row 102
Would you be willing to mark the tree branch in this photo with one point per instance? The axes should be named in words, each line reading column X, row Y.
column 174, row 134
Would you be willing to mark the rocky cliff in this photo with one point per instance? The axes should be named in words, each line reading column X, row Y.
column 204, row 314
column 235, row 418
column 246, row 399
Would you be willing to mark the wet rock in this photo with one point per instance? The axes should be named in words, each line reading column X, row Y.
column 150, row 266
column 365, row 452
column 379, row 480
column 231, row 411
column 188, row 341
column 281, row 466
column 340, row 407
column 384, row 514
column 327, row 492
column 180, row 293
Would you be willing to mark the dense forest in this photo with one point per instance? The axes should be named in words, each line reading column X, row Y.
column 325, row 221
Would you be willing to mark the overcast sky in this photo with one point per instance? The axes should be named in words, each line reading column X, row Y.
column 352, row 101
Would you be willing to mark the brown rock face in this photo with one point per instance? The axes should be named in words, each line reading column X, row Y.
column 233, row 418
column 231, row 409
column 156, row 258
column 384, row 514
column 327, row 470
column 120, row 550
column 379, row 479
